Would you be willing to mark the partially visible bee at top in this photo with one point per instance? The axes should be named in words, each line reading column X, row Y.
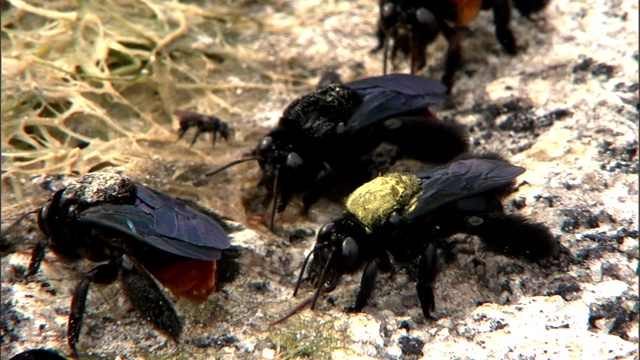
column 411, row 25
column 138, row 234
column 203, row 123
column 329, row 135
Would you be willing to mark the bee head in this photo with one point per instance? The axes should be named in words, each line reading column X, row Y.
column 276, row 153
column 223, row 128
column 400, row 18
column 279, row 163
column 340, row 247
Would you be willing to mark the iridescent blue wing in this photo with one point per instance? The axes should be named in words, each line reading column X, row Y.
column 163, row 222
column 461, row 179
column 389, row 96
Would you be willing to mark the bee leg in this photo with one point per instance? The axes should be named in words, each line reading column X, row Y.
column 383, row 44
column 453, row 57
column 214, row 138
column 104, row 274
column 427, row 271
column 148, row 299
column 36, row 258
column 195, row 137
column 381, row 39
column 385, row 55
column 366, row 286
column 283, row 201
column 418, row 57
column 182, row 131
column 502, row 20
column 513, row 235
column 392, row 56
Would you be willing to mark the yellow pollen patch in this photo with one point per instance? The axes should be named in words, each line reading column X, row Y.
column 373, row 202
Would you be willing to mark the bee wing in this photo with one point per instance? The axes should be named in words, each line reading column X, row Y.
column 388, row 96
column 162, row 222
column 461, row 179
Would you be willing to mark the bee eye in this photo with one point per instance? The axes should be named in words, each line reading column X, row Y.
column 325, row 232
column 475, row 221
column 426, row 17
column 294, row 160
column 43, row 214
column 349, row 252
column 265, row 143
column 388, row 9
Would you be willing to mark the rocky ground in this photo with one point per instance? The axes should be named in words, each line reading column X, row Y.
column 565, row 108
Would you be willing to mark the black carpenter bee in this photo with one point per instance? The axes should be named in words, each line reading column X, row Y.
column 329, row 134
column 203, row 123
column 404, row 215
column 140, row 233
column 414, row 24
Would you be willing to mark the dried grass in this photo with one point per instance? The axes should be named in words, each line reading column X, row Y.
column 83, row 80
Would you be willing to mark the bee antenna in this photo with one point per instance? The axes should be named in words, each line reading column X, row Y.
column 293, row 311
column 304, row 266
column 274, row 200
column 385, row 56
column 321, row 282
column 233, row 163
column 385, row 51
column 22, row 218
